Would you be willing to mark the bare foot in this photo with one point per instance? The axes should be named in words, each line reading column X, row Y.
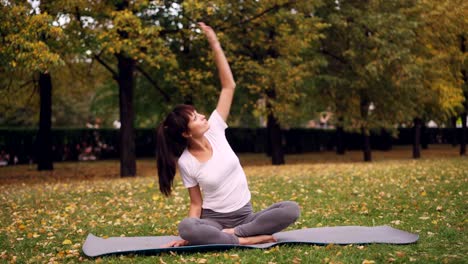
column 229, row 231
column 256, row 240
column 175, row 243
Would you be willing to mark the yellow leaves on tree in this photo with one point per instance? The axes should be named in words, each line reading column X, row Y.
column 125, row 33
column 27, row 38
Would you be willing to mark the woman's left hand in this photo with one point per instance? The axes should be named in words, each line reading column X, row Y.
column 209, row 33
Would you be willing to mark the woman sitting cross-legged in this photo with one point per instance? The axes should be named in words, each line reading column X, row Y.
column 220, row 209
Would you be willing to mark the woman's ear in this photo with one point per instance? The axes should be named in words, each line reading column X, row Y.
column 186, row 135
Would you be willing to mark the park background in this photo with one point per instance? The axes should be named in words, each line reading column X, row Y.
column 364, row 67
column 342, row 81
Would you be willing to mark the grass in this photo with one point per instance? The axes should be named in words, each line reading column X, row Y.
column 45, row 216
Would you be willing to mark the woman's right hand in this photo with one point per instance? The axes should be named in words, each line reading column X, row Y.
column 176, row 243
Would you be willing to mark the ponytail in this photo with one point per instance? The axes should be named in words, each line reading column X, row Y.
column 170, row 144
column 166, row 162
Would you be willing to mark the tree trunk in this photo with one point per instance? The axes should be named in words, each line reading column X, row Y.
column 274, row 135
column 44, row 135
column 463, row 135
column 366, row 145
column 417, row 138
column 453, row 127
column 387, row 137
column 126, row 67
column 465, row 92
column 424, row 136
column 340, row 146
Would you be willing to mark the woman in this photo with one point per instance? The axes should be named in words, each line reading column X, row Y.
column 207, row 164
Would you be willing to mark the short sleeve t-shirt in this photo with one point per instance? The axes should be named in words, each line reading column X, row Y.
column 222, row 180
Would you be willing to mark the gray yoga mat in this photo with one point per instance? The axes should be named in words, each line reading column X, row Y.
column 340, row 235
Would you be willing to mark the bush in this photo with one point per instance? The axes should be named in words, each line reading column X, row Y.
column 69, row 144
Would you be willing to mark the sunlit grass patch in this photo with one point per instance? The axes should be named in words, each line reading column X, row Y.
column 48, row 220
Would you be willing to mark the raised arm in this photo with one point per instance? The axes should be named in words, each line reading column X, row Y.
column 224, row 71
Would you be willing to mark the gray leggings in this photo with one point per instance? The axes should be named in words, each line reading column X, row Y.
column 208, row 228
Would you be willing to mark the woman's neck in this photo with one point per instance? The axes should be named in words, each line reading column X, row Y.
column 199, row 144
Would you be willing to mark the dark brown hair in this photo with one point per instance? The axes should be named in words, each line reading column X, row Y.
column 170, row 144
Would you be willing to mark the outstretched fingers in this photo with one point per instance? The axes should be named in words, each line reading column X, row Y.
column 209, row 32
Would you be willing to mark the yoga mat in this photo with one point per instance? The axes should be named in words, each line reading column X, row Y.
column 340, row 235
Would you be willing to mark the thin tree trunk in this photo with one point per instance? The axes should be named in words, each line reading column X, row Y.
column 465, row 92
column 275, row 137
column 417, row 138
column 463, row 135
column 273, row 126
column 387, row 140
column 424, row 136
column 126, row 67
column 340, row 142
column 366, row 147
column 44, row 135
column 125, row 79
column 186, row 59
column 366, row 144
column 454, row 134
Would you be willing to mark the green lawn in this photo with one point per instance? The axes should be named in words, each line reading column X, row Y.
column 46, row 217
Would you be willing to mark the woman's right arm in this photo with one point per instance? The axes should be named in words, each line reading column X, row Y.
column 194, row 211
column 195, row 201
column 228, row 84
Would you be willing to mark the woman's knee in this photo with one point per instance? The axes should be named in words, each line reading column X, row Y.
column 187, row 227
column 292, row 210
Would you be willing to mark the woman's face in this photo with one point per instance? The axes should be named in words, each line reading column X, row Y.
column 197, row 125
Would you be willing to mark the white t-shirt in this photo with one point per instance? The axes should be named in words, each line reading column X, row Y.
column 222, row 180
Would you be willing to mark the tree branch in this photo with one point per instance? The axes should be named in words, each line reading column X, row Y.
column 27, row 83
column 148, row 77
column 34, row 91
column 275, row 7
column 338, row 58
column 115, row 75
column 168, row 31
column 95, row 56
column 78, row 17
